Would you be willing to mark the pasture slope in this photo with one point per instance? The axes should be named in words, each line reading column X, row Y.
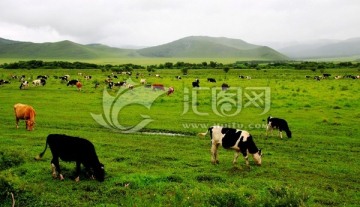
column 319, row 166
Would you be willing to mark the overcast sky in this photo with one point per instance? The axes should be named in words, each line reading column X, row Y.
column 153, row 22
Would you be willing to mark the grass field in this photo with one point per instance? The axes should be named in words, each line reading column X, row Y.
column 170, row 165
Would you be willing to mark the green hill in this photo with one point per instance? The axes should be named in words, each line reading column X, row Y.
column 189, row 47
column 211, row 47
column 58, row 50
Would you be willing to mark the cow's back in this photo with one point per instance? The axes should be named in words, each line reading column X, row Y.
column 23, row 111
column 70, row 148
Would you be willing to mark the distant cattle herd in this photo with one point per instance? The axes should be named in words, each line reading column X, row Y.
column 82, row 151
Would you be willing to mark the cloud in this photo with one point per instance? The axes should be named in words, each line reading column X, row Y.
column 148, row 23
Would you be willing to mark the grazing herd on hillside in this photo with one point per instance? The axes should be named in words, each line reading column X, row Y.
column 82, row 151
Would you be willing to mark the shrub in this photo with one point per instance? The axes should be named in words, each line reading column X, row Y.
column 10, row 159
column 5, row 187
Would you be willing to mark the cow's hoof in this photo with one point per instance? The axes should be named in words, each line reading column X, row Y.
column 61, row 177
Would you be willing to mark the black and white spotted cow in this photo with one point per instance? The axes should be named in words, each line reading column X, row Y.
column 277, row 123
column 195, row 84
column 239, row 140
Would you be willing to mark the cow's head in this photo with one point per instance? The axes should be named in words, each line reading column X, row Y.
column 99, row 173
column 257, row 157
column 30, row 124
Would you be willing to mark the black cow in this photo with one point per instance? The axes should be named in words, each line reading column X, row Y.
column 211, row 80
column 276, row 123
column 196, row 83
column 326, row 75
column 72, row 82
column 238, row 140
column 225, row 86
column 69, row 148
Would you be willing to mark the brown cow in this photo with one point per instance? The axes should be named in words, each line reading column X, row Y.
column 158, row 86
column 170, row 91
column 25, row 112
column 79, row 85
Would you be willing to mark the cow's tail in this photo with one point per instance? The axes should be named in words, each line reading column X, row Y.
column 39, row 156
column 205, row 133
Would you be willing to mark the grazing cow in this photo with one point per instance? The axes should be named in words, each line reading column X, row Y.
column 111, row 84
column 72, row 82
column 4, row 82
column 307, row 76
column 211, row 80
column 170, row 90
column 129, row 86
column 69, row 148
column 121, row 83
column 158, row 86
column 225, row 86
column 338, row 77
column 326, row 75
column 241, row 76
column 276, row 123
column 25, row 112
column 318, row 78
column 37, row 82
column 196, row 83
column 238, row 140
column 24, row 85
column 42, row 77
column 178, row 77
column 79, row 85
column 64, row 78
column 142, row 81
column 248, row 77
column 87, row 77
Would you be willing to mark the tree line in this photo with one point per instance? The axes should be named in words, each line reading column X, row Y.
column 299, row 65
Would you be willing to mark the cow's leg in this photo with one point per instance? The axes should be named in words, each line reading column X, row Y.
column 214, row 154
column 237, row 153
column 55, row 162
column 246, row 157
column 280, row 133
column 17, row 123
column 53, row 170
column 77, row 175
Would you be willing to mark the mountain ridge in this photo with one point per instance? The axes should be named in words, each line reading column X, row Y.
column 188, row 47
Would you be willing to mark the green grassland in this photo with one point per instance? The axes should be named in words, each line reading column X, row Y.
column 170, row 165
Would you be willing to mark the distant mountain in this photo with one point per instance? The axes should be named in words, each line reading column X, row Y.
column 189, row 47
column 211, row 47
column 324, row 49
column 58, row 50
